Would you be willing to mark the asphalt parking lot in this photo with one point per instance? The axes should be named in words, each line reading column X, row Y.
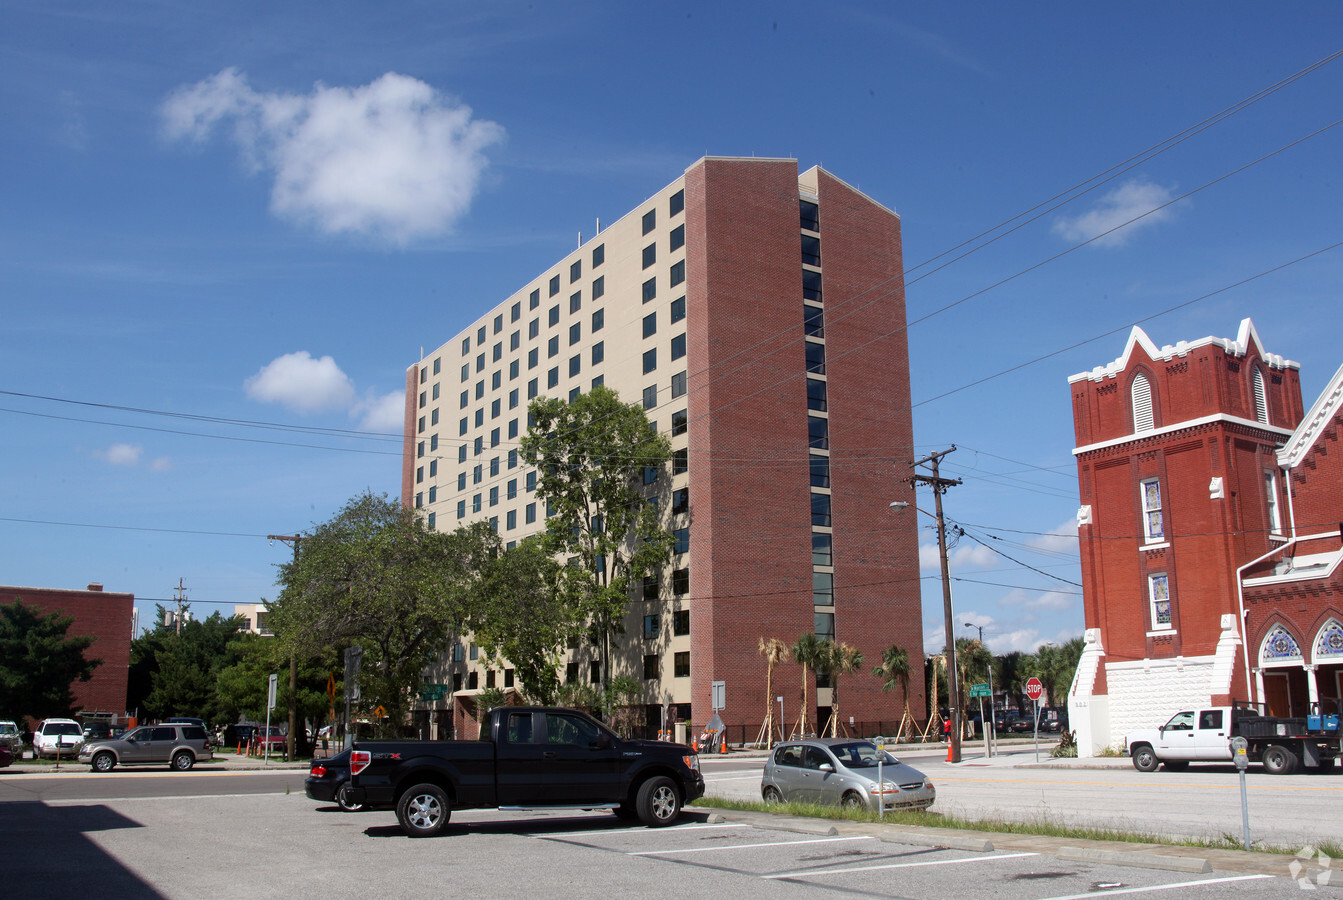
column 132, row 843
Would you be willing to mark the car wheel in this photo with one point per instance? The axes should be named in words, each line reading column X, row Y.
column 1175, row 766
column 1278, row 760
column 103, row 762
column 1144, row 760
column 344, row 802
column 658, row 802
column 772, row 795
column 183, row 761
column 423, row 810
column 851, row 800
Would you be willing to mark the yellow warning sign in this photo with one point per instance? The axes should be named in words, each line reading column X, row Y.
column 380, row 712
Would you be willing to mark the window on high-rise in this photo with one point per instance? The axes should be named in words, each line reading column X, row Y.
column 676, row 204
column 810, row 215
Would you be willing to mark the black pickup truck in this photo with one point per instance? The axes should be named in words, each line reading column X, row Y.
column 527, row 758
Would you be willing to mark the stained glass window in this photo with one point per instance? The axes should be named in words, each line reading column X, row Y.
column 1279, row 644
column 1331, row 641
column 1153, row 528
column 1159, row 586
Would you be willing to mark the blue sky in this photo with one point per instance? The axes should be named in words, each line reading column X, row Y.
column 250, row 213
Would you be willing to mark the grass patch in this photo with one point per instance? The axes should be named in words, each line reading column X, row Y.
column 1037, row 826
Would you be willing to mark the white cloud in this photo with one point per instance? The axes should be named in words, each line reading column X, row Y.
column 1126, row 202
column 161, row 464
column 395, row 158
column 121, row 454
column 385, row 414
column 302, row 384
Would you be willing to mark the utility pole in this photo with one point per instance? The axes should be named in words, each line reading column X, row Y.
column 939, row 486
column 293, row 660
column 180, row 599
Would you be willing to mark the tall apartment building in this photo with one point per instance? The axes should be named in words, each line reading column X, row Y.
column 758, row 316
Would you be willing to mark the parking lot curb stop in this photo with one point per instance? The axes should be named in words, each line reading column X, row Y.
column 1143, row 859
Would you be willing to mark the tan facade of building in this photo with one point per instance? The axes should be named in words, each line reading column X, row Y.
column 708, row 304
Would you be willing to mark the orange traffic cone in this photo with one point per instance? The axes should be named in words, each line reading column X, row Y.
column 949, row 753
column 723, row 747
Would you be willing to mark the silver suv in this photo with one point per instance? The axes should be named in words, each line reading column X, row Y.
column 177, row 746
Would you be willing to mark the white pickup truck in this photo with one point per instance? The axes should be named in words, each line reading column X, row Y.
column 1281, row 744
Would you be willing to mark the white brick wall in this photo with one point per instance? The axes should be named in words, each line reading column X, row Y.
column 1146, row 693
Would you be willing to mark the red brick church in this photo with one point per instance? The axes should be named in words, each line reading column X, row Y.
column 1210, row 534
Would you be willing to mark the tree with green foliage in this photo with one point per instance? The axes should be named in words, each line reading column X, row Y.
column 39, row 661
column 622, row 705
column 525, row 619
column 1009, row 676
column 972, row 662
column 186, row 666
column 241, row 687
column 376, row 575
column 488, row 699
column 836, row 659
column 806, row 652
column 893, row 670
column 594, row 457
column 1055, row 666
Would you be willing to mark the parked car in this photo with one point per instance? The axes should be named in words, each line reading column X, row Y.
column 843, row 772
column 328, row 781
column 178, row 746
column 57, row 736
column 11, row 737
column 6, row 756
column 271, row 740
column 101, row 731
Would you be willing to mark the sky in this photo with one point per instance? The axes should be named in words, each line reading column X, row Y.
column 226, row 230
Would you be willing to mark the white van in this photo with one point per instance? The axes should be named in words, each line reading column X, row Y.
column 57, row 735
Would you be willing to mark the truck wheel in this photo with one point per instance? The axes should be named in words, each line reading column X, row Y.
column 183, row 761
column 658, row 802
column 1144, row 760
column 423, row 810
column 344, row 802
column 104, row 762
column 1278, row 760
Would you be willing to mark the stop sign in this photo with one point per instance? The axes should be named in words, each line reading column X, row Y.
column 1034, row 688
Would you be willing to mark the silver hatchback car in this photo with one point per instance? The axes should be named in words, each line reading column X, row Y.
column 177, row 746
column 842, row 771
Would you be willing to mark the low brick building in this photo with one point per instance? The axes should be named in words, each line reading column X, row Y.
column 1209, row 523
column 108, row 617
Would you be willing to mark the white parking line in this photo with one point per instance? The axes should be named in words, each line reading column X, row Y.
column 863, row 837
column 1164, row 887
column 937, row 862
column 95, row 801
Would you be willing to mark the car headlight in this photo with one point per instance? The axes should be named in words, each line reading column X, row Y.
column 887, row 787
column 691, row 761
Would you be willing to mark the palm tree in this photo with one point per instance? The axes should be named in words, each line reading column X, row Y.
column 972, row 659
column 894, row 670
column 806, row 653
column 836, row 660
column 774, row 651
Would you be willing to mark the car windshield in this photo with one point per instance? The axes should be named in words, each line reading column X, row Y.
column 62, row 728
column 861, row 755
column 8, row 728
